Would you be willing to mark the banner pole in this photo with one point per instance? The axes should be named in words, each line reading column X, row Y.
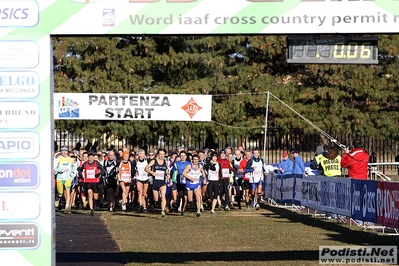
column 265, row 130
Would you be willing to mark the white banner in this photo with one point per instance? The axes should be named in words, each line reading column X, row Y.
column 104, row 106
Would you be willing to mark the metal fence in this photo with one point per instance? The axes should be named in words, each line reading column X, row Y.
column 277, row 142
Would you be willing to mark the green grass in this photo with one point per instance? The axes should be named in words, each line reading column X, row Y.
column 270, row 236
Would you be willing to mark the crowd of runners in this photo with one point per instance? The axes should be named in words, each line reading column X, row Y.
column 159, row 181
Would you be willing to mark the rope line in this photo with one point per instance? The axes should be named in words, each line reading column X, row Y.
column 333, row 140
column 236, row 127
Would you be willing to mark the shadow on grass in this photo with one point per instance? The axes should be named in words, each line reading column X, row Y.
column 90, row 258
column 339, row 232
column 180, row 258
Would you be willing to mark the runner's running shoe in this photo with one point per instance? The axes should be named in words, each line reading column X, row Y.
column 198, row 213
column 163, row 214
column 92, row 212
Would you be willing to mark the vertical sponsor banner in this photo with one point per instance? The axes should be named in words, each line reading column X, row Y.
column 27, row 220
column 364, row 202
column 287, row 188
column 268, row 185
column 334, row 195
column 310, row 192
column 298, row 190
column 275, row 192
column 342, row 196
column 387, row 199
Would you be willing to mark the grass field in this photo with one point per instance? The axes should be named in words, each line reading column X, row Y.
column 270, row 236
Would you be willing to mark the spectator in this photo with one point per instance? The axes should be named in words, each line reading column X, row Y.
column 356, row 160
column 285, row 166
column 315, row 163
column 299, row 166
column 331, row 162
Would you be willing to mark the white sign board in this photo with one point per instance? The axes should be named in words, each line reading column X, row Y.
column 107, row 106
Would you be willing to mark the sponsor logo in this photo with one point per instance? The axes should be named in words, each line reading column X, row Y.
column 19, row 13
column 109, row 17
column 19, row 54
column 19, row 115
column 18, row 175
column 19, row 145
column 68, row 108
column 191, row 107
column 19, row 236
column 19, row 84
column 19, row 205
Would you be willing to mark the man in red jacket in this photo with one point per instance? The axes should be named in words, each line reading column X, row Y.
column 356, row 160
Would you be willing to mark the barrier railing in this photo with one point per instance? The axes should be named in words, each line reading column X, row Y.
column 368, row 202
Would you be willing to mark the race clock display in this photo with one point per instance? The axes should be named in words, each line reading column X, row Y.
column 318, row 49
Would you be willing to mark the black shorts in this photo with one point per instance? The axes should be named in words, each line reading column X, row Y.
column 144, row 182
column 181, row 188
column 92, row 186
column 246, row 184
column 158, row 184
column 213, row 189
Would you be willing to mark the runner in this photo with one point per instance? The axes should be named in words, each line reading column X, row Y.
column 171, row 189
column 142, row 179
column 182, row 192
column 65, row 169
column 91, row 171
column 238, row 176
column 75, row 183
column 256, row 165
column 126, row 172
column 161, row 176
column 213, row 169
column 204, row 179
column 81, row 184
column 111, row 167
column 133, row 195
column 225, row 181
column 246, row 176
column 192, row 174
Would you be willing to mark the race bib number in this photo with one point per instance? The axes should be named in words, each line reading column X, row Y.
column 196, row 178
column 125, row 177
column 143, row 175
column 90, row 174
column 225, row 173
column 159, row 175
column 213, row 176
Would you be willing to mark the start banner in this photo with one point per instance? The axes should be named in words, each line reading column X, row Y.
column 107, row 106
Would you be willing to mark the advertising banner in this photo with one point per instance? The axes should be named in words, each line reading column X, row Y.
column 388, row 204
column 363, row 203
column 286, row 188
column 107, row 106
column 221, row 16
column 334, row 195
column 310, row 192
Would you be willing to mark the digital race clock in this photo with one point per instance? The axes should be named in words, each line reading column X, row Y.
column 316, row 49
